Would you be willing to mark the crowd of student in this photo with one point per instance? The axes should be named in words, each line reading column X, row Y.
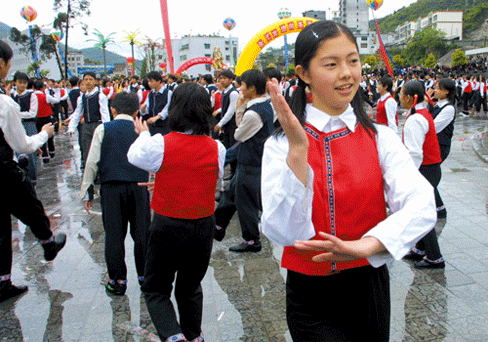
column 305, row 161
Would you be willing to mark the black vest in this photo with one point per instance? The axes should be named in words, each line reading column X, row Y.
column 73, row 97
column 114, row 166
column 23, row 101
column 445, row 136
column 226, row 104
column 6, row 152
column 250, row 152
column 157, row 102
column 134, row 89
column 91, row 108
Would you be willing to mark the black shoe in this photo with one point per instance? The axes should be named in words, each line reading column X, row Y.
column 9, row 290
column 45, row 160
column 218, row 196
column 413, row 256
column 427, row 264
column 219, row 233
column 52, row 154
column 51, row 249
column 246, row 246
column 116, row 288
column 441, row 214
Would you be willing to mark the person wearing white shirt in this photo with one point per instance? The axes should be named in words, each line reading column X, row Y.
column 157, row 104
column 21, row 199
column 230, row 96
column 482, row 96
column 386, row 109
column 420, row 138
column 323, row 189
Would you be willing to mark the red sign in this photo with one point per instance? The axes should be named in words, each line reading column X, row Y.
column 268, row 37
column 261, row 43
column 283, row 28
column 291, row 26
column 275, row 33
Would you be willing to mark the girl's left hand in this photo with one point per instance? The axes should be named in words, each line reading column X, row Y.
column 430, row 92
column 340, row 250
column 140, row 125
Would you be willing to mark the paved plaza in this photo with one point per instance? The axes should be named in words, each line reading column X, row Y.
column 244, row 296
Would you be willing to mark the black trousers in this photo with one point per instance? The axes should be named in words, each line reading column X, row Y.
column 466, row 97
column 482, row 101
column 227, row 205
column 429, row 243
column 248, row 200
column 123, row 204
column 228, row 133
column 20, row 200
column 181, row 248
column 50, row 142
column 353, row 305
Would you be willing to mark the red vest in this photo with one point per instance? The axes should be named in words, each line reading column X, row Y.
column 381, row 116
column 469, row 88
column 144, row 96
column 348, row 194
column 186, row 182
column 430, row 149
column 44, row 109
column 62, row 92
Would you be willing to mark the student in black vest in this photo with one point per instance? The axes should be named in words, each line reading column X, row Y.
column 157, row 105
column 134, row 84
column 28, row 113
column 254, row 127
column 22, row 200
column 93, row 107
column 123, row 200
column 172, row 84
column 77, row 88
column 230, row 95
column 444, row 114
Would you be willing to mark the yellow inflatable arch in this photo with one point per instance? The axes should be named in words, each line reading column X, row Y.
column 266, row 36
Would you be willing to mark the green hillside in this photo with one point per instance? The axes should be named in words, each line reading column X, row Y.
column 475, row 13
column 97, row 55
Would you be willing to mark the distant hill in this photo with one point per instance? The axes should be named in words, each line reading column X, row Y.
column 475, row 13
column 4, row 30
column 95, row 54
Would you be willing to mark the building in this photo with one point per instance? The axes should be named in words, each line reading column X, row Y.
column 319, row 15
column 449, row 22
column 355, row 15
column 189, row 47
column 75, row 60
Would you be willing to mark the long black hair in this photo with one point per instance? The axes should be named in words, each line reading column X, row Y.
column 416, row 90
column 190, row 109
column 308, row 42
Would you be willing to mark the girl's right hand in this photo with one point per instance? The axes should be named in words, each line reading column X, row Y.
column 297, row 138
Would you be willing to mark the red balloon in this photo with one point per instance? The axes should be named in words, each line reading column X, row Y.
column 130, row 60
column 163, row 65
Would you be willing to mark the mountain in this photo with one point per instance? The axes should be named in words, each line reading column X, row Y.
column 4, row 30
column 475, row 13
column 95, row 54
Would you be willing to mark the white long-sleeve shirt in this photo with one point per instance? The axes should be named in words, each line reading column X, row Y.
column 445, row 117
column 287, row 203
column 229, row 114
column 391, row 107
column 78, row 113
column 415, row 129
column 34, row 104
column 14, row 131
column 165, row 112
column 147, row 153
column 251, row 122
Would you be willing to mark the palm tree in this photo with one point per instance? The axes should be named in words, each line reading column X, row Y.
column 131, row 38
column 150, row 48
column 101, row 42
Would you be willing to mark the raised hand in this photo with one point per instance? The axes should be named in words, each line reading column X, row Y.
column 297, row 138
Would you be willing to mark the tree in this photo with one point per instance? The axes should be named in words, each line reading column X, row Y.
column 150, row 49
column 399, row 60
column 88, row 61
column 131, row 38
column 371, row 60
column 423, row 43
column 101, row 42
column 430, row 61
column 291, row 70
column 75, row 9
column 459, row 58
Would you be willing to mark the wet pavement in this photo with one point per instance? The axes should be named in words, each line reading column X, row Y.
column 244, row 293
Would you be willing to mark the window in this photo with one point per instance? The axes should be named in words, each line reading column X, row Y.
column 207, row 45
column 183, row 58
column 364, row 45
column 185, row 47
column 226, row 48
column 364, row 38
column 208, row 67
column 226, row 42
column 208, row 55
column 227, row 58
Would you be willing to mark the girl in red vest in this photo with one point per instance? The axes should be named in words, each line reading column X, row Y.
column 187, row 163
column 323, row 184
column 420, row 138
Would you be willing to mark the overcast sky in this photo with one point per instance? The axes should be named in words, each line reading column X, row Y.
column 185, row 17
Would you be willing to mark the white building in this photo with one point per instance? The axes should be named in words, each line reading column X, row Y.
column 319, row 15
column 75, row 59
column 355, row 15
column 449, row 22
column 189, row 47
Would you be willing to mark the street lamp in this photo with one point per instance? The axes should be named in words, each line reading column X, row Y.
column 282, row 14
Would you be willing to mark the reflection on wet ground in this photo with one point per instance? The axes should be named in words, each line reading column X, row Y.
column 244, row 294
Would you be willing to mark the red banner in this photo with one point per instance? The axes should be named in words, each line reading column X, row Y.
column 167, row 34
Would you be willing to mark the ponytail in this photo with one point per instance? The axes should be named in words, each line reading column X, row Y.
column 298, row 103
